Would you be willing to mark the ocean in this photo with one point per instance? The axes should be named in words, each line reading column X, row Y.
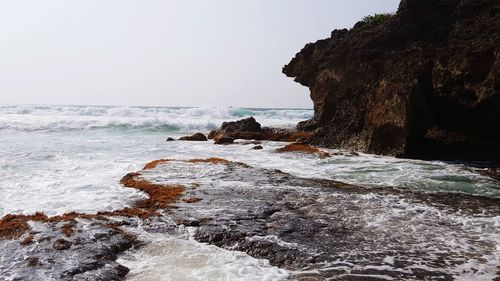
column 57, row 159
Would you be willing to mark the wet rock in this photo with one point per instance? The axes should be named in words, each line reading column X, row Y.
column 304, row 148
column 248, row 125
column 353, row 153
column 311, row 225
column 251, row 142
column 61, row 244
column 424, row 83
column 79, row 257
column 191, row 200
column 195, row 137
column 224, row 140
column 170, row 139
column 493, row 173
column 257, row 147
column 250, row 129
column 32, row 261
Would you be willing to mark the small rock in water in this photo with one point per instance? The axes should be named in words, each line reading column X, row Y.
column 195, row 137
column 170, row 139
column 257, row 147
column 224, row 140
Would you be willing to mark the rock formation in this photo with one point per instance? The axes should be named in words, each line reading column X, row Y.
column 423, row 83
column 250, row 129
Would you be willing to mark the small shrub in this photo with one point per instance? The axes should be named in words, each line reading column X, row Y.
column 377, row 19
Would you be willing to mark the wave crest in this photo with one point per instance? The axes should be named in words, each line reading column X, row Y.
column 59, row 118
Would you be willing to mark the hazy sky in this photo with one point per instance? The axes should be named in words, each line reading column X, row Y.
column 163, row 53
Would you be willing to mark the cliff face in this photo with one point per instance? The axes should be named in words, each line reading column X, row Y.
column 424, row 83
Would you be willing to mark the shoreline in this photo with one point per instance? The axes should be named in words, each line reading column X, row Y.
column 310, row 228
column 72, row 223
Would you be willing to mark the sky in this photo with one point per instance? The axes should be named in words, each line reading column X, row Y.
column 164, row 53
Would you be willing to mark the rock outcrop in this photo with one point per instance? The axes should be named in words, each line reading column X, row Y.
column 424, row 83
column 250, row 129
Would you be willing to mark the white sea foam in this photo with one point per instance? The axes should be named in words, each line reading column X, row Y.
column 58, row 118
column 178, row 258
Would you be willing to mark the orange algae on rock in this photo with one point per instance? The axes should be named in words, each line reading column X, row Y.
column 28, row 240
column 160, row 195
column 68, row 228
column 153, row 164
column 192, row 200
column 213, row 160
column 298, row 135
column 304, row 148
column 13, row 226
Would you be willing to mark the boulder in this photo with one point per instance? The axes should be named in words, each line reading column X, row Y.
column 195, row 137
column 247, row 128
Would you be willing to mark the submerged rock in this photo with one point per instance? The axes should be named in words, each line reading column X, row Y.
column 303, row 148
column 195, row 137
column 423, row 83
column 224, row 140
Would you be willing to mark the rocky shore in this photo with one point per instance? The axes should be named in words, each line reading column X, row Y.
column 422, row 83
column 317, row 229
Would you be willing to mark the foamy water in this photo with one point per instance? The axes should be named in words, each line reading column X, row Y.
column 58, row 159
column 179, row 257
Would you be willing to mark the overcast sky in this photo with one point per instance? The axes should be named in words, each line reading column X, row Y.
column 164, row 53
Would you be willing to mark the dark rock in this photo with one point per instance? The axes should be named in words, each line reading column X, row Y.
column 33, row 261
column 257, row 147
column 330, row 229
column 78, row 257
column 242, row 129
column 61, row 244
column 243, row 125
column 493, row 173
column 224, row 140
column 195, row 137
column 170, row 139
column 251, row 142
column 425, row 83
column 249, row 129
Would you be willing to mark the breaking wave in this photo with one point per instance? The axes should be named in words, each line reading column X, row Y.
column 59, row 118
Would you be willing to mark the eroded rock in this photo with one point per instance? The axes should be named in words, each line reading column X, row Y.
column 250, row 129
column 425, row 83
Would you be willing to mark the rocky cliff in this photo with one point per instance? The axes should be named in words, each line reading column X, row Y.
column 422, row 83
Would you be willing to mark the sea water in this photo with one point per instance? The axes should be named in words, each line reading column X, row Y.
column 58, row 159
